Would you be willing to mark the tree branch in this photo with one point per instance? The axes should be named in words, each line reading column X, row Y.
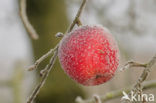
column 97, row 99
column 77, row 18
column 35, row 65
column 30, row 29
column 52, row 61
column 131, row 64
column 136, row 87
column 44, row 78
column 117, row 93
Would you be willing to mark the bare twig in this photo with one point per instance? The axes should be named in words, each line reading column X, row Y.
column 30, row 29
column 77, row 18
column 75, row 21
column 79, row 23
column 118, row 93
column 35, row 65
column 44, row 77
column 97, row 99
column 137, row 87
column 131, row 64
column 59, row 34
column 52, row 61
column 144, row 74
column 147, row 67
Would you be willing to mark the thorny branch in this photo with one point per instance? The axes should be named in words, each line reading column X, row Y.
column 30, row 29
column 45, row 72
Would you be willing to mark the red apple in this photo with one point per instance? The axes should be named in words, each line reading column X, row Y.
column 89, row 55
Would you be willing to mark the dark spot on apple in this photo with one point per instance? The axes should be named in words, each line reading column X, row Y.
column 98, row 76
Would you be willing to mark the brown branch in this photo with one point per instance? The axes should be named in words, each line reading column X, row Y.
column 30, row 29
column 131, row 64
column 144, row 74
column 79, row 23
column 77, row 18
column 97, row 99
column 44, row 78
column 117, row 93
column 137, row 89
column 42, row 58
column 147, row 67
column 52, row 61
column 35, row 65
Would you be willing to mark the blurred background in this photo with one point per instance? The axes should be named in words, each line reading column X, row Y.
column 132, row 23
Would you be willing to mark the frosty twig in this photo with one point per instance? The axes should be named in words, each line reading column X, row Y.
column 31, row 31
column 118, row 93
column 142, row 78
column 49, row 66
column 35, row 65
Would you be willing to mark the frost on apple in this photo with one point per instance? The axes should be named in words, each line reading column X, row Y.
column 89, row 55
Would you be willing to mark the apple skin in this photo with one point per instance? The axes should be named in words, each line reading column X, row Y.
column 89, row 55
